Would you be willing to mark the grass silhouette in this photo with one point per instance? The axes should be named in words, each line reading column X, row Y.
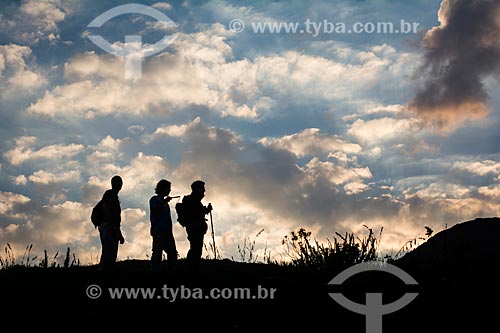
column 340, row 253
column 9, row 261
column 247, row 250
column 300, row 249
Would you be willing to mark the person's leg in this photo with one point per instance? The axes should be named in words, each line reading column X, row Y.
column 157, row 251
column 114, row 250
column 109, row 250
column 198, row 248
column 195, row 238
column 191, row 238
column 170, row 249
column 114, row 241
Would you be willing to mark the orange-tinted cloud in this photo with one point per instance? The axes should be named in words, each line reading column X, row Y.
column 460, row 53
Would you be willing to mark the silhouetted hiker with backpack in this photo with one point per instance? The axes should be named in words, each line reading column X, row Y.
column 161, row 226
column 193, row 219
column 109, row 229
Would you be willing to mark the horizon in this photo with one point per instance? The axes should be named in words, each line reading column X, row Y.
column 314, row 127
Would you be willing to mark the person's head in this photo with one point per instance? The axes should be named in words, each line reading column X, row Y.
column 163, row 187
column 198, row 188
column 116, row 183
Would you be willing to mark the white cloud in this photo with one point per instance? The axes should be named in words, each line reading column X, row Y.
column 481, row 168
column 176, row 131
column 135, row 229
column 310, row 141
column 395, row 109
column 439, row 190
column 492, row 192
column 316, row 170
column 208, row 46
column 45, row 178
column 355, row 188
column 15, row 73
column 36, row 20
column 226, row 12
column 82, row 98
column 20, row 180
column 45, row 14
column 24, row 151
column 107, row 150
column 202, row 71
column 88, row 64
column 9, row 201
column 139, row 177
column 300, row 76
column 54, row 227
column 168, row 85
column 381, row 129
column 451, row 210
column 110, row 144
column 162, row 5
column 375, row 151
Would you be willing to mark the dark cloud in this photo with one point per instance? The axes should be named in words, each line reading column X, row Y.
column 460, row 53
column 274, row 181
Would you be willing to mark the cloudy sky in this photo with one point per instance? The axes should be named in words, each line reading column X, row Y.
column 324, row 130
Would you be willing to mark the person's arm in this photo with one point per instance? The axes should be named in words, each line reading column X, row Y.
column 157, row 205
column 208, row 208
column 106, row 207
column 120, row 237
column 112, row 214
column 112, row 209
column 154, row 206
column 116, row 212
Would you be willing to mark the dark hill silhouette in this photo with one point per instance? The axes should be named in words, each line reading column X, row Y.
column 455, row 269
column 463, row 255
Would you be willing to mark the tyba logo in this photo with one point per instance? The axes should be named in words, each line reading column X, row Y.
column 373, row 309
column 133, row 51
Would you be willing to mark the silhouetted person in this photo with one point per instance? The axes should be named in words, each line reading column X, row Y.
column 196, row 225
column 161, row 226
column 109, row 231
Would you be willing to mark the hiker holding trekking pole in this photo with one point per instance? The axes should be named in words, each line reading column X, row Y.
column 192, row 217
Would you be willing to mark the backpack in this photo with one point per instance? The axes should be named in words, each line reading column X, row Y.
column 97, row 216
column 181, row 214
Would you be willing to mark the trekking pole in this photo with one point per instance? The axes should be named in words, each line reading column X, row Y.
column 213, row 235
